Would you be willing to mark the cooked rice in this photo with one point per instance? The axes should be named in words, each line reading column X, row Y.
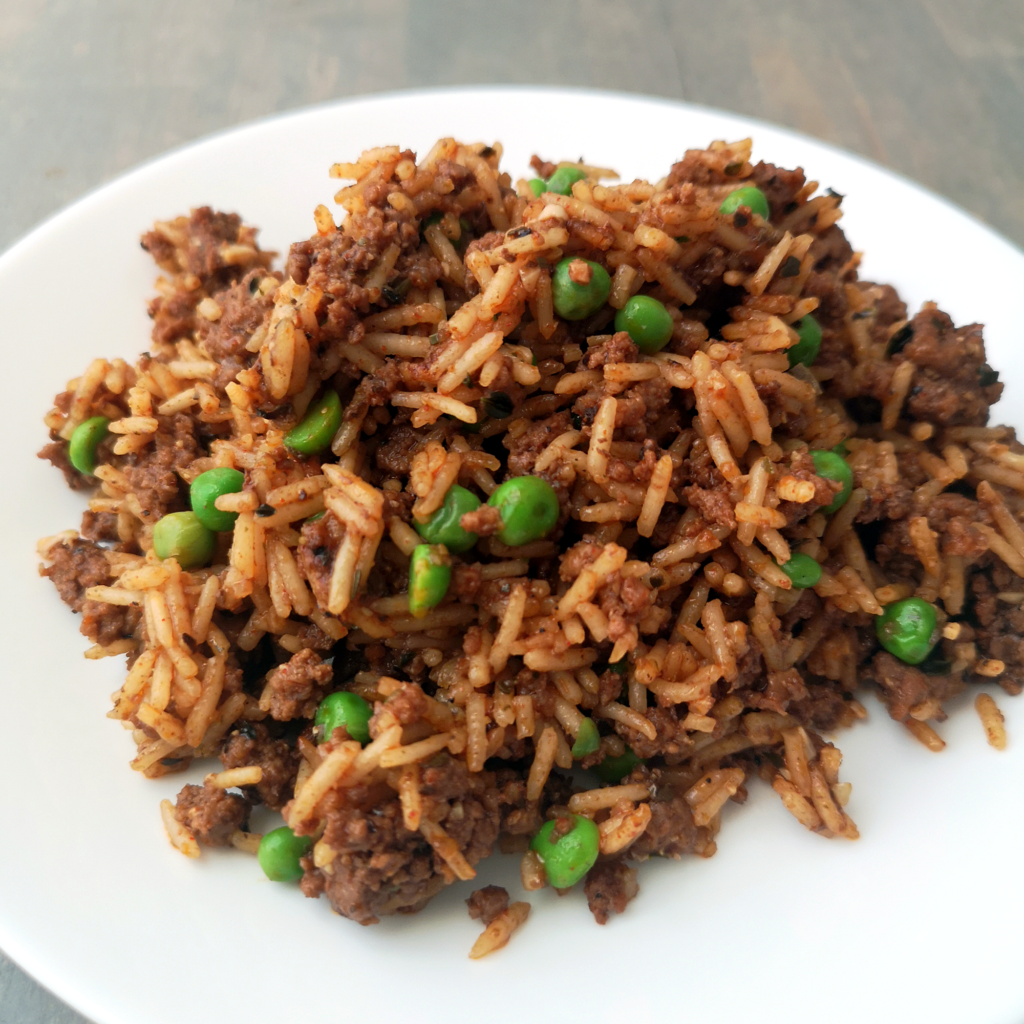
column 657, row 615
column 992, row 719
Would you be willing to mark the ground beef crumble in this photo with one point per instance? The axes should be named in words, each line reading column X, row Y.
column 609, row 886
column 252, row 744
column 211, row 814
column 74, row 567
column 295, row 689
column 487, row 903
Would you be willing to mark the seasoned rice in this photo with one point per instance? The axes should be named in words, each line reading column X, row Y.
column 653, row 626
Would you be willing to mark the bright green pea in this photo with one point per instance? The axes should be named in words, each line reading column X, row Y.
column 537, row 186
column 615, row 769
column 563, row 179
column 588, row 739
column 183, row 537
column 574, row 301
column 279, row 854
column 529, row 509
column 430, row 572
column 84, row 441
column 908, row 629
column 830, row 466
column 207, row 488
column 749, row 196
column 347, row 709
column 318, row 426
column 443, row 526
column 807, row 348
column 802, row 570
column 569, row 858
column 646, row 321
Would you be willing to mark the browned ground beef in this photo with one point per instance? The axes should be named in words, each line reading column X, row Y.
column 487, row 903
column 199, row 253
column 904, row 687
column 822, row 709
column 316, row 551
column 381, row 868
column 609, row 887
column 524, row 449
column 74, row 568
column 211, row 814
column 253, row 745
column 779, row 186
column 949, row 385
column 155, row 477
column 104, row 623
column 671, row 832
column 99, row 526
column 243, row 309
column 207, row 230
column 619, row 348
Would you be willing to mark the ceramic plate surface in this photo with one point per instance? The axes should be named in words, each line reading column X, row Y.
column 919, row 920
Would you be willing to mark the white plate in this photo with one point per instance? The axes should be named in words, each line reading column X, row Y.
column 919, row 920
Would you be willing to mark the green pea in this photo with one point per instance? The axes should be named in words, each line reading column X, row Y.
column 430, row 573
column 347, row 709
column 443, row 526
column 84, row 441
column 207, row 488
column 802, row 570
column 180, row 535
column 807, row 348
column 908, row 629
column 749, row 196
column 529, row 509
column 615, row 769
column 588, row 739
column 570, row 857
column 646, row 321
column 830, row 466
column 574, row 301
column 279, row 854
column 537, row 186
column 562, row 180
column 318, row 426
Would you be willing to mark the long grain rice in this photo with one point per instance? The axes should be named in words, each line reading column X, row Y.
column 181, row 838
column 500, row 930
column 680, row 614
column 992, row 719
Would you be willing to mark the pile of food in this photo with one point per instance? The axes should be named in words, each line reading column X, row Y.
column 492, row 482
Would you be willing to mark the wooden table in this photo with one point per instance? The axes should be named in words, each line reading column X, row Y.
column 931, row 88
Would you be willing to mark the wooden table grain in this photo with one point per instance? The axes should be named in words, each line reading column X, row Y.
column 88, row 88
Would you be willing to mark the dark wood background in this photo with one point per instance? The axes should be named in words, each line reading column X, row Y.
column 88, row 88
